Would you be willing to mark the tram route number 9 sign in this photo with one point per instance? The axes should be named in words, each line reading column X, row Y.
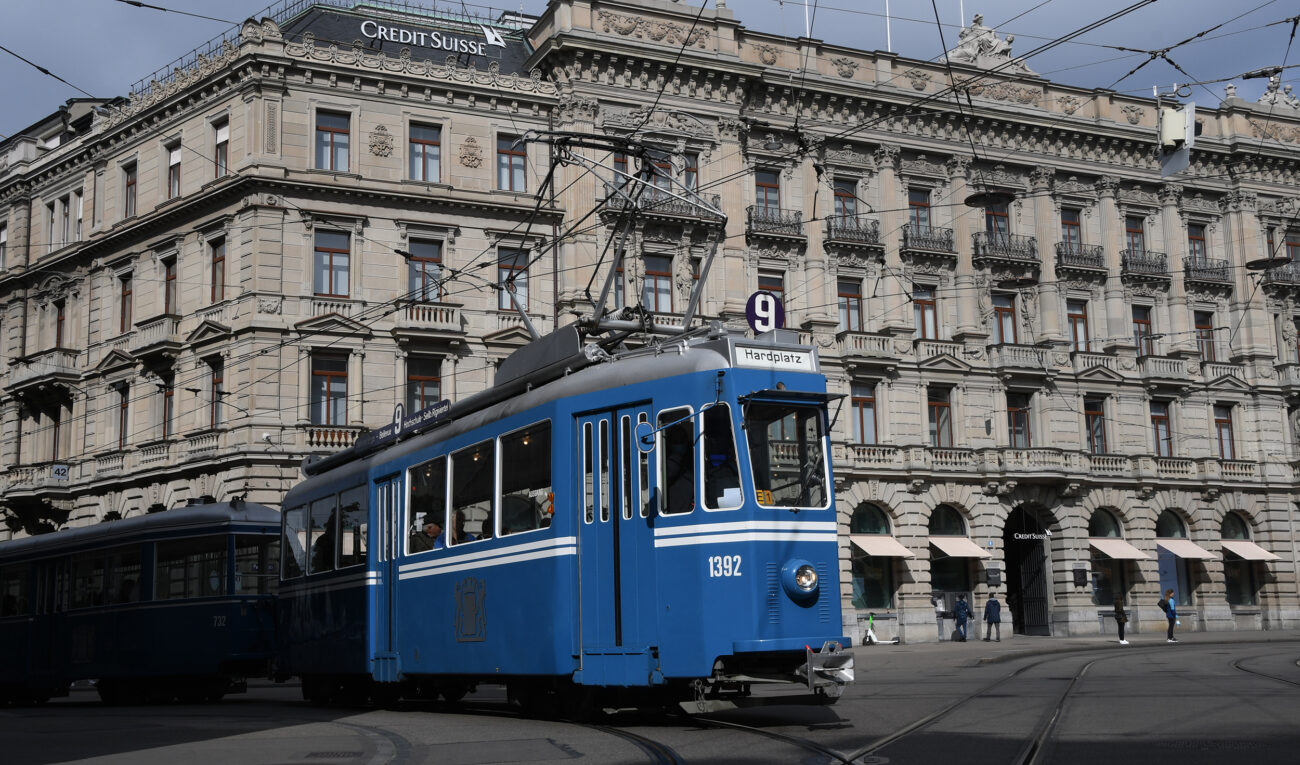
column 764, row 312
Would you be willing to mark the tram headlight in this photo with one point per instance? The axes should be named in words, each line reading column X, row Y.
column 799, row 579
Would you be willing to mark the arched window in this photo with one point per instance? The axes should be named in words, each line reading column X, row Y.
column 1107, row 573
column 1175, row 570
column 1170, row 526
column 947, row 522
column 1239, row 582
column 948, row 574
column 873, row 575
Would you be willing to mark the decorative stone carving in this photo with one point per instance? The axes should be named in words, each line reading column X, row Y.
column 1041, row 177
column 920, row 80
column 767, row 54
column 269, row 304
column 573, row 107
column 845, row 66
column 1069, row 104
column 1072, row 186
column 1271, row 96
column 922, row 166
column 656, row 31
column 471, row 154
column 1003, row 91
column 846, row 155
column 1274, row 131
column 1132, row 113
column 381, row 142
column 656, row 121
column 980, row 46
column 1170, row 193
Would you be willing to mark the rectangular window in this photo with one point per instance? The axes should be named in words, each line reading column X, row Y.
column 1076, row 312
column 79, row 206
column 512, row 277
column 918, row 210
column 329, row 390
column 510, row 164
column 124, row 302
column 321, row 533
column 428, row 503
column 864, row 414
column 65, row 222
column 128, row 190
column 423, row 383
column 169, row 287
column 939, row 403
column 190, row 568
column 123, row 415
column 767, row 190
column 926, row 312
column 216, row 389
column 4, row 246
column 1004, row 319
column 167, row 390
column 691, row 172
column 1223, row 432
column 173, row 171
column 293, row 541
column 1164, row 444
column 527, row 496
column 997, row 221
column 846, row 198
column 1094, row 421
column 426, row 153
column 1018, row 431
column 676, row 462
column 657, row 292
column 1142, row 337
column 1196, row 241
column 257, row 561
column 1134, row 234
column 850, row 304
column 773, row 283
column 221, row 148
column 332, row 259
column 1071, row 231
column 60, row 323
column 52, row 233
column 473, row 473
column 56, row 433
column 1292, row 243
column 353, row 526
column 425, row 267
column 218, row 270
column 332, row 139
column 1203, row 321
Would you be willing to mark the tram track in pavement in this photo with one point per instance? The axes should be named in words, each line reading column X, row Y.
column 1237, row 665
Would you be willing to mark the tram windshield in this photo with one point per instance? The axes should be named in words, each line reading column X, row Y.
column 788, row 454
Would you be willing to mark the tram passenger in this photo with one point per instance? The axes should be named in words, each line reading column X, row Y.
column 430, row 537
column 458, row 533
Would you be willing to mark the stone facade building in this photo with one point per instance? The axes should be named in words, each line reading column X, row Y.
column 1072, row 391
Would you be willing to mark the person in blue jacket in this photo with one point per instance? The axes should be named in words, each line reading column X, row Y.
column 962, row 612
column 993, row 618
column 1171, row 613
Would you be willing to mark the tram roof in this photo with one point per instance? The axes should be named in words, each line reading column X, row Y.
column 112, row 532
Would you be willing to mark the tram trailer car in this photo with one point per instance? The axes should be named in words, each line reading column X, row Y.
column 179, row 604
column 655, row 526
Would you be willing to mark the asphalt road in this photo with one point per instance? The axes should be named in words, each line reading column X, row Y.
column 1151, row 703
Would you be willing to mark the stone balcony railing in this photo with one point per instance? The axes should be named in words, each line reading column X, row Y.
column 56, row 363
column 1080, row 257
column 321, row 306
column 1144, row 263
column 866, row 344
column 1083, row 360
column 926, row 349
column 1163, row 367
column 220, row 313
column 436, row 316
column 853, row 230
column 1213, row 370
column 332, row 437
column 1010, row 356
column 991, row 245
column 928, row 239
column 1288, row 376
column 773, row 220
column 1207, row 271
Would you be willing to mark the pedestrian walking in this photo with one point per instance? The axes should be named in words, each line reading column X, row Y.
column 1171, row 614
column 936, row 600
column 962, row 612
column 1121, row 618
column 993, row 618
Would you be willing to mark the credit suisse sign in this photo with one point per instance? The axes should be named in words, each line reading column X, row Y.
column 373, row 30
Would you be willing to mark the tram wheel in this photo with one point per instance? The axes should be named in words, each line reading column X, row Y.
column 453, row 691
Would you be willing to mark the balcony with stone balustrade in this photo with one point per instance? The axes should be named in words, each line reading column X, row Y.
column 57, row 367
column 157, row 340
column 868, row 350
column 1081, row 361
column 1167, row 370
column 1010, row 359
column 418, row 320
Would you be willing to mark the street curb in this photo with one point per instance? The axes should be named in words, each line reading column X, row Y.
column 1047, row 651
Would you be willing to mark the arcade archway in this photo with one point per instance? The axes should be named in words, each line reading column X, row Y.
column 1026, row 543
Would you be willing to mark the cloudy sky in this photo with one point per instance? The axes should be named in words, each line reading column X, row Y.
column 102, row 47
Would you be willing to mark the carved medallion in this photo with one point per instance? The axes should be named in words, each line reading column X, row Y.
column 845, row 66
column 381, row 142
column 471, row 154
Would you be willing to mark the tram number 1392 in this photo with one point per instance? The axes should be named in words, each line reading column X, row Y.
column 724, row 565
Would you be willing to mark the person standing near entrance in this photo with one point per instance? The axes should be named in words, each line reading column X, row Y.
column 937, row 601
column 962, row 612
column 1171, row 614
column 992, row 618
column 1121, row 618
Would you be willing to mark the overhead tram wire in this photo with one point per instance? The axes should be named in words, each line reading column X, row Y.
column 138, row 4
column 45, row 71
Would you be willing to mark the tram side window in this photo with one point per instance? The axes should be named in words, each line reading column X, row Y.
column 428, row 498
column 721, row 471
column 588, row 475
column 293, row 542
column 87, row 580
column 13, row 590
column 257, row 562
column 323, row 532
column 190, row 568
column 677, row 461
column 352, row 527
column 124, row 575
column 472, row 488
column 527, row 501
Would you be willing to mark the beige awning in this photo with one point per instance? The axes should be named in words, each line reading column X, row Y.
column 1117, row 549
column 1247, row 550
column 958, row 547
column 1186, row 549
column 880, row 545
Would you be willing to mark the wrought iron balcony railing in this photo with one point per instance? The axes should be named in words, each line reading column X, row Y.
column 774, row 220
column 928, row 238
column 1088, row 256
column 1207, row 270
column 989, row 244
column 659, row 202
column 1144, row 262
column 858, row 230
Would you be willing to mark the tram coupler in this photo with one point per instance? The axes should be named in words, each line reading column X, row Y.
column 828, row 670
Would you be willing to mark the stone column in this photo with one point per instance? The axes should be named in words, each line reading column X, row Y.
column 1118, row 331
column 893, row 217
column 968, row 320
column 1253, row 338
column 1046, row 220
column 1184, row 343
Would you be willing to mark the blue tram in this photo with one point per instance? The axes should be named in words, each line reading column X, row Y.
column 625, row 526
column 170, row 605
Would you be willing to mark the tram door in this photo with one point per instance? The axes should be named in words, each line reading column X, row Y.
column 616, row 538
column 390, row 520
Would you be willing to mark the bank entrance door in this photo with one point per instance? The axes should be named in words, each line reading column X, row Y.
column 1026, row 543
